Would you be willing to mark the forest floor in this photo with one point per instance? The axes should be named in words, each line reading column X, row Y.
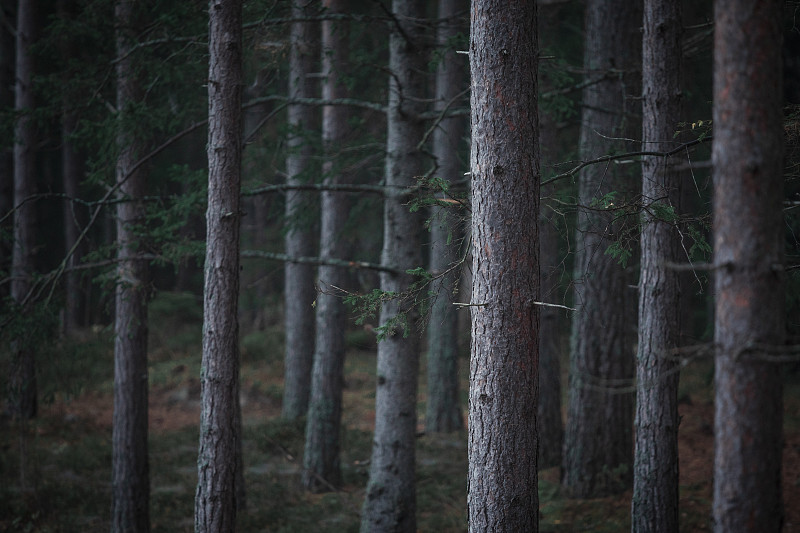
column 62, row 484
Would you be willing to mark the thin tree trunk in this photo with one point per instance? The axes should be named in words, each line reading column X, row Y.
column 321, row 468
column 443, row 409
column 71, row 171
column 598, row 438
column 130, row 470
column 503, row 396
column 22, row 379
column 219, row 462
column 655, row 483
column 749, row 256
column 390, row 503
column 299, row 279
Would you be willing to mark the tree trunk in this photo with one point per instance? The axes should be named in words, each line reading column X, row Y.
column 299, row 279
column 655, row 484
column 503, row 396
column 390, row 503
column 6, row 150
column 749, row 259
column 219, row 460
column 71, row 171
column 443, row 409
column 598, row 436
column 22, row 379
column 130, row 471
column 321, row 469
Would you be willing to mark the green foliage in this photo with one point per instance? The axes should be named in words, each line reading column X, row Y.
column 557, row 78
column 416, row 298
column 701, row 249
column 368, row 306
column 168, row 215
column 620, row 252
column 663, row 212
column 606, row 201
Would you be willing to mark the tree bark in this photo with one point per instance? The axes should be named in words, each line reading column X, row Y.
column 130, row 470
column 749, row 258
column 321, row 468
column 503, row 396
column 219, row 462
column 299, row 279
column 71, row 172
column 598, row 437
column 390, row 503
column 443, row 409
column 6, row 150
column 655, row 484
column 22, row 379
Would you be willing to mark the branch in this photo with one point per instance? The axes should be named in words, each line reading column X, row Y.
column 627, row 155
column 372, row 106
column 544, row 304
column 340, row 187
column 319, row 261
column 314, row 18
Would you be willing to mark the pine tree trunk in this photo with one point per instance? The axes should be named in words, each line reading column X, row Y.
column 130, row 470
column 299, row 278
column 71, row 170
column 655, row 483
column 503, row 443
column 598, row 439
column 72, row 164
column 749, row 258
column 6, row 151
column 390, row 503
column 219, row 462
column 22, row 400
column 443, row 409
column 321, row 468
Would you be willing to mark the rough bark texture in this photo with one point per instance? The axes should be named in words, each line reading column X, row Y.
column 130, row 468
column 299, row 279
column 390, row 503
column 598, row 437
column 6, row 150
column 321, row 468
column 655, row 476
column 502, row 493
column 749, row 256
column 22, row 379
column 443, row 409
column 219, row 458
